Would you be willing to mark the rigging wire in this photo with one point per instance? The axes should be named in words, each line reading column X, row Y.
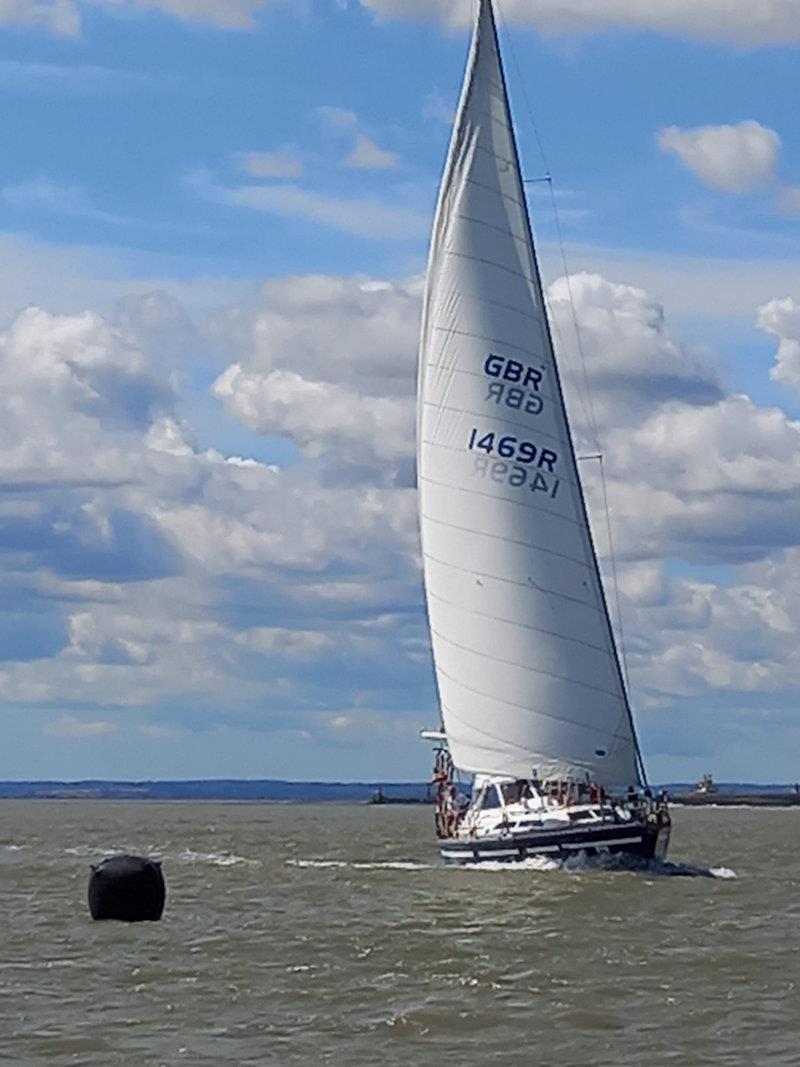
column 612, row 556
column 585, row 399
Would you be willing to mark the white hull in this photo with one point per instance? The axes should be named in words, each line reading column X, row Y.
column 510, row 820
column 644, row 841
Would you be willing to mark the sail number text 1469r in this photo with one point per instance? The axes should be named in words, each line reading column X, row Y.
column 510, row 447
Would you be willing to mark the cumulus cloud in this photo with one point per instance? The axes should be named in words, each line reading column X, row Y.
column 283, row 162
column 228, row 14
column 63, row 16
column 115, row 525
column 735, row 158
column 58, row 16
column 337, row 118
column 195, row 588
column 72, row 727
column 360, row 216
column 731, row 21
column 631, row 359
column 695, row 473
column 278, row 641
column 781, row 318
column 330, row 363
column 366, row 155
column 64, row 379
column 697, row 635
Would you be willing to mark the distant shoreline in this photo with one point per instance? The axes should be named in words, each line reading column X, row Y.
column 268, row 790
column 218, row 790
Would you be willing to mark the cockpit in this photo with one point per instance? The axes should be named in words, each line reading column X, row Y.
column 502, row 794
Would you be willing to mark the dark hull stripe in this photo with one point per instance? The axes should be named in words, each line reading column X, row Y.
column 643, row 841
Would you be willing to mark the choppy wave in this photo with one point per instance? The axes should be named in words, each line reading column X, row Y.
column 186, row 855
column 93, row 851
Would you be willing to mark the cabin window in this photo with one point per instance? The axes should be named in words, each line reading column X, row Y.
column 581, row 816
column 514, row 792
column 490, row 798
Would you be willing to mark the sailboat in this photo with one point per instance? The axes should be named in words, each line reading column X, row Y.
column 533, row 701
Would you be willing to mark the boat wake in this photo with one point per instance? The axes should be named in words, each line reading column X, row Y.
column 539, row 864
column 620, row 863
column 386, row 865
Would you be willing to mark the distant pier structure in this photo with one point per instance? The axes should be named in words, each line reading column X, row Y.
column 707, row 792
column 706, row 785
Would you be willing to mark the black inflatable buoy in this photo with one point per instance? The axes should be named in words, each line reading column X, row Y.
column 128, row 888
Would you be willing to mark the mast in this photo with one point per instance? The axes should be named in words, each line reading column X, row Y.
column 557, row 378
column 526, row 662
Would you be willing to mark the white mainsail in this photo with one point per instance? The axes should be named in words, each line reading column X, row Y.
column 526, row 664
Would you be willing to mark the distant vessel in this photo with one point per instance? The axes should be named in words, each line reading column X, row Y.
column 532, row 696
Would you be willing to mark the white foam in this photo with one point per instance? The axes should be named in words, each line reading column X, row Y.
column 722, row 872
column 532, row 863
column 387, row 865
column 217, row 859
column 578, row 864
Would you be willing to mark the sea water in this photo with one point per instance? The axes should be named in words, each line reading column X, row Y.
column 327, row 934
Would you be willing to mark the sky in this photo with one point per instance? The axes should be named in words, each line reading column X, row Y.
column 214, row 218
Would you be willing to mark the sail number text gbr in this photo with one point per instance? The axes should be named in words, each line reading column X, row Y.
column 517, row 386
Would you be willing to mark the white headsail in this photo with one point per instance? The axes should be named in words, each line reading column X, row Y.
column 525, row 658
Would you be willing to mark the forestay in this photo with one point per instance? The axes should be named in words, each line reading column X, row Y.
column 525, row 659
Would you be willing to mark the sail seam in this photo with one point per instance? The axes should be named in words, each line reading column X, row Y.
column 508, row 540
column 499, row 459
column 522, row 625
column 491, row 226
column 499, row 303
column 451, row 331
column 495, row 418
column 496, row 496
column 510, row 581
column 526, row 667
column 532, row 711
column 488, row 263
column 469, row 180
column 495, row 744
column 499, row 746
column 453, row 368
column 503, row 123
